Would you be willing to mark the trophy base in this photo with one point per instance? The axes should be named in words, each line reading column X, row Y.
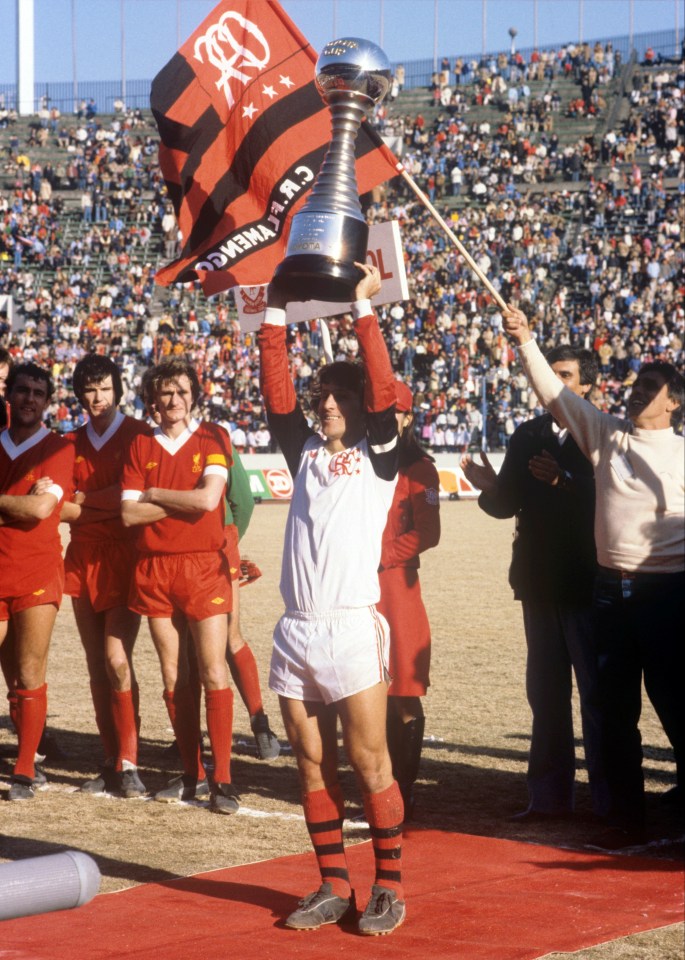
column 314, row 277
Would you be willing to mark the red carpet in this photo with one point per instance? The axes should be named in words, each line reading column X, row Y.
column 474, row 898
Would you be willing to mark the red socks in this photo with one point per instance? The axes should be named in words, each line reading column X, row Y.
column 182, row 710
column 243, row 667
column 32, row 709
column 324, row 811
column 384, row 813
column 219, row 707
column 124, row 717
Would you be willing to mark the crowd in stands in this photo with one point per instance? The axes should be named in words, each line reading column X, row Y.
column 598, row 263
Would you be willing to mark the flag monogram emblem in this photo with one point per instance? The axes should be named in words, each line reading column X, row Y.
column 243, row 134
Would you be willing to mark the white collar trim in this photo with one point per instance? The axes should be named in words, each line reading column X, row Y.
column 173, row 446
column 15, row 450
column 98, row 441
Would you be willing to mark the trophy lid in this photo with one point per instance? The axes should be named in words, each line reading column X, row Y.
column 355, row 66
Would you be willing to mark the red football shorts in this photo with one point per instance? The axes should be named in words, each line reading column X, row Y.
column 50, row 591
column 100, row 572
column 196, row 584
column 232, row 550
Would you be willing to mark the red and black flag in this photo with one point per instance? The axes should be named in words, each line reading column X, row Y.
column 243, row 134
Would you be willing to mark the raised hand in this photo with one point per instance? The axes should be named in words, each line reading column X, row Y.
column 515, row 323
column 370, row 283
column 480, row 475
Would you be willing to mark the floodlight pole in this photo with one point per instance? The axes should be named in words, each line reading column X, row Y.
column 26, row 78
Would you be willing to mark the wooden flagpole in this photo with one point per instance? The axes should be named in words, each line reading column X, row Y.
column 399, row 166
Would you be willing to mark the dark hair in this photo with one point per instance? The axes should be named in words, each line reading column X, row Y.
column 5, row 357
column 163, row 373
column 675, row 385
column 34, row 372
column 343, row 374
column 588, row 365
column 94, row 369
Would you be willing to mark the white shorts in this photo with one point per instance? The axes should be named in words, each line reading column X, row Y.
column 325, row 657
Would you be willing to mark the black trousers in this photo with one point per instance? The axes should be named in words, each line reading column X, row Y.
column 639, row 633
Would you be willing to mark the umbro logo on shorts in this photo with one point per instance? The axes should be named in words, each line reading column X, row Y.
column 38, row 593
column 217, row 600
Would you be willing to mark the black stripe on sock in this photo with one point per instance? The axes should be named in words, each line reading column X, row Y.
column 324, row 826
column 394, row 854
column 394, row 875
column 328, row 849
column 386, row 833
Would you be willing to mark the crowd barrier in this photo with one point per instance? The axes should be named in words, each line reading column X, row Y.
column 270, row 478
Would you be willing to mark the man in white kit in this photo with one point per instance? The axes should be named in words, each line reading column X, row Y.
column 330, row 650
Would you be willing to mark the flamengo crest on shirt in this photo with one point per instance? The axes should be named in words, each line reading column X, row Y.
column 243, row 134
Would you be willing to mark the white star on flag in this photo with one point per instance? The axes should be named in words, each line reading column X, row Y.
column 250, row 111
column 269, row 92
column 287, row 82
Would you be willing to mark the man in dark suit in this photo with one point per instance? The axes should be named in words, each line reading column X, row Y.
column 548, row 485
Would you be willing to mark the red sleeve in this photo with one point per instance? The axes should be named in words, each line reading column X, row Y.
column 380, row 383
column 274, row 374
column 424, row 494
column 59, row 465
column 132, row 476
column 220, row 443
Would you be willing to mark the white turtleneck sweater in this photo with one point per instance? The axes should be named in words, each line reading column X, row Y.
column 639, row 477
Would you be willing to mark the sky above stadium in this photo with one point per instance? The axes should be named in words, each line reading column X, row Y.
column 405, row 28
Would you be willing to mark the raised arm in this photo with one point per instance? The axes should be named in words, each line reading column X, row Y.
column 284, row 414
column 584, row 421
column 379, row 397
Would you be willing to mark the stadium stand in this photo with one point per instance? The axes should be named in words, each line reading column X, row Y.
column 563, row 176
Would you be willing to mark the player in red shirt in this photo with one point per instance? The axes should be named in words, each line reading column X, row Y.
column 413, row 526
column 172, row 492
column 98, row 565
column 35, row 474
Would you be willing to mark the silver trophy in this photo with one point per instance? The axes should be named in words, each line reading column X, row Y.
column 330, row 233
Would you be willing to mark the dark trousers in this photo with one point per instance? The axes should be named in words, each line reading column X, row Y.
column 639, row 624
column 561, row 642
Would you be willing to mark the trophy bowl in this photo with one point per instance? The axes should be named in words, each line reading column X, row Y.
column 330, row 233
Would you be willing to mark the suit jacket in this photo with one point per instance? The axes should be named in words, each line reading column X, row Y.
column 554, row 549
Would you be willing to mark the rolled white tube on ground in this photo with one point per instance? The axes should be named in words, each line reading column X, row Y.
column 59, row 881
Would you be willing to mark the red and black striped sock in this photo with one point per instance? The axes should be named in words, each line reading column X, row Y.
column 324, row 811
column 384, row 813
